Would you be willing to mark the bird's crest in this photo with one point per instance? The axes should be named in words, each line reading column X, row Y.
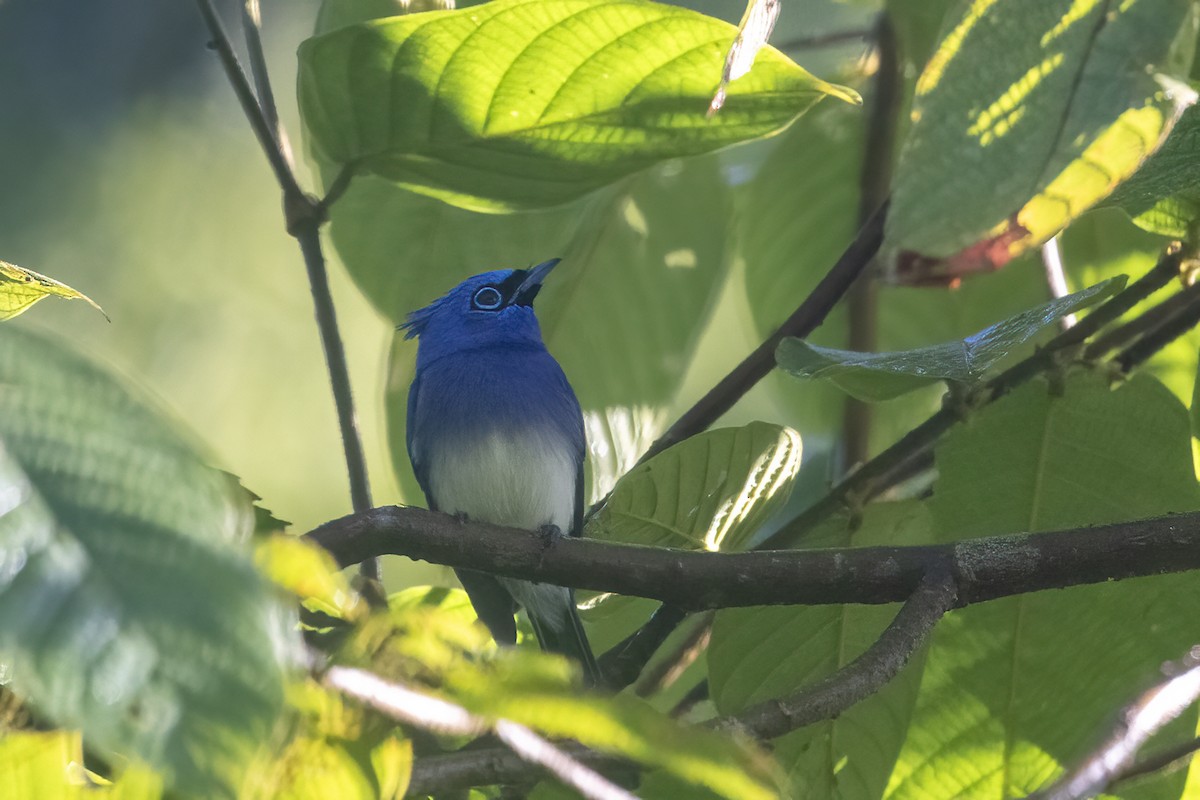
column 414, row 324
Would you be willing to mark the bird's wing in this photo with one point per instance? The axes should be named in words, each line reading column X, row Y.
column 413, row 442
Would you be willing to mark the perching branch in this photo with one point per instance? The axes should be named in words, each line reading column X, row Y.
column 1139, row 721
column 304, row 217
column 879, row 474
column 441, row 716
column 826, row 699
column 983, row 569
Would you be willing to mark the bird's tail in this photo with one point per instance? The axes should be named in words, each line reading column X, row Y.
column 566, row 637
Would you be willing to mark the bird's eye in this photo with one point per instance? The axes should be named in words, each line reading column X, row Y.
column 487, row 299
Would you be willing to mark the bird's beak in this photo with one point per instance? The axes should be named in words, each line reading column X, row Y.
column 533, row 281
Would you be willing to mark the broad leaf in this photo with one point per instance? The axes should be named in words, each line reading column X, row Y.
column 1163, row 196
column 127, row 607
column 50, row 764
column 20, row 288
column 531, row 103
column 338, row 749
column 710, row 492
column 760, row 653
column 882, row 376
column 1016, row 688
column 1029, row 112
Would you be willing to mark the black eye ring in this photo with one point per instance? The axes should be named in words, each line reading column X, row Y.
column 487, row 299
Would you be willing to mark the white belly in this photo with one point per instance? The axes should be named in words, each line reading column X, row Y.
column 520, row 479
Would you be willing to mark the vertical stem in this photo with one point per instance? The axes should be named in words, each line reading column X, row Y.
column 309, row 237
column 874, row 183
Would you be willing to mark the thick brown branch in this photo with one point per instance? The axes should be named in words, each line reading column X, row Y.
column 983, row 569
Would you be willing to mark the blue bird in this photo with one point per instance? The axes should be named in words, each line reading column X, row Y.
column 495, row 434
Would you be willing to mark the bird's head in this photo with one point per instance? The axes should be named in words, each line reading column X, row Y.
column 493, row 308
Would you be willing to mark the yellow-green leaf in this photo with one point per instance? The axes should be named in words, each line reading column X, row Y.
column 20, row 288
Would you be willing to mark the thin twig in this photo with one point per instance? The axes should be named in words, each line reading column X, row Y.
column 986, row 568
column 829, row 39
column 441, row 716
column 304, row 217
column 668, row 670
column 878, row 474
column 252, row 27
column 1176, row 324
column 622, row 664
column 1139, row 721
column 1121, row 335
column 754, row 367
column 249, row 102
column 865, row 675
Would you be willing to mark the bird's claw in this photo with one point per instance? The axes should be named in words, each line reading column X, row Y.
column 549, row 534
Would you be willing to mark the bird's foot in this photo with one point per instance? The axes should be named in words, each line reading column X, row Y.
column 460, row 517
column 549, row 534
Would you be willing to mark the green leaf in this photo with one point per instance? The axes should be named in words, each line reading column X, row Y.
column 625, row 725
column 20, row 288
column 1163, row 195
column 760, row 653
column 712, row 491
column 1029, row 112
column 127, row 605
column 882, row 376
column 1015, row 689
column 531, row 103
column 337, row 749
column 50, row 764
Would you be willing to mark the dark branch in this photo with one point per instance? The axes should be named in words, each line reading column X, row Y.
column 1158, row 761
column 1171, row 325
column 245, row 94
column 803, row 321
column 983, row 569
column 1138, row 722
column 862, row 677
column 624, row 662
column 304, row 217
column 880, row 473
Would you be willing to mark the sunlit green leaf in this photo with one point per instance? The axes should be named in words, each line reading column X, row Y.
column 20, row 288
column 127, row 607
column 627, row 726
column 1015, row 689
column 760, row 653
column 1029, row 112
column 337, row 749
column 530, row 103
column 709, row 492
column 50, row 764
column 882, row 376
column 307, row 571
column 1163, row 196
